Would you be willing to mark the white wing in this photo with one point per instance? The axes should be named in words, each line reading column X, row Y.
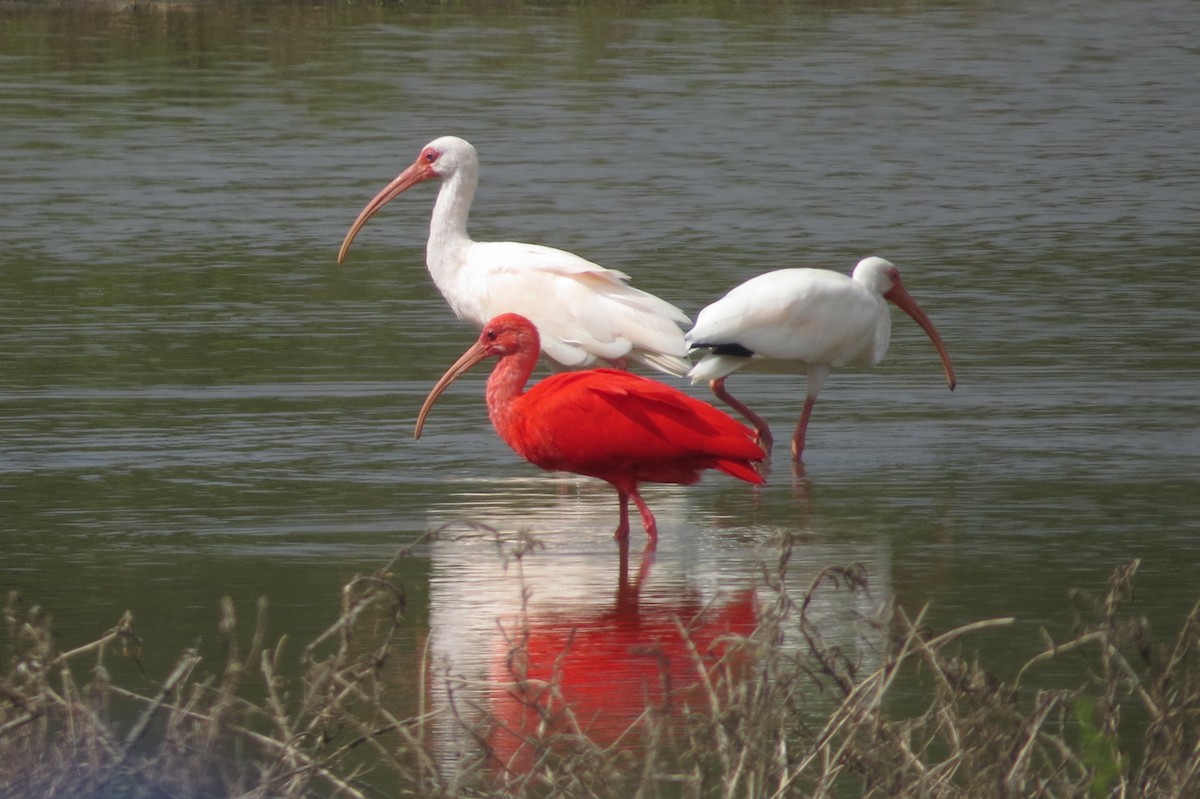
column 584, row 312
column 813, row 316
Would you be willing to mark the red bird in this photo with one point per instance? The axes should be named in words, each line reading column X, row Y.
column 603, row 423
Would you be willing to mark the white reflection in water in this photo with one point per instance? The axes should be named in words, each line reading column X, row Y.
column 527, row 582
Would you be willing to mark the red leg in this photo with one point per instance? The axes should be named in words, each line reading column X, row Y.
column 802, row 428
column 622, row 533
column 647, row 517
column 765, row 439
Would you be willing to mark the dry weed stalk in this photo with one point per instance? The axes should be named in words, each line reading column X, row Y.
column 782, row 712
column 197, row 736
column 808, row 719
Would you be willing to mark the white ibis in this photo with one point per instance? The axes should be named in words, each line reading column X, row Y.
column 584, row 312
column 822, row 319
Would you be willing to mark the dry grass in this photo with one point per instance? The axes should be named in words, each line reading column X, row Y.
column 781, row 712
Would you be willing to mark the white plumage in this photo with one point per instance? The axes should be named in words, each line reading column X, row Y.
column 584, row 312
column 819, row 319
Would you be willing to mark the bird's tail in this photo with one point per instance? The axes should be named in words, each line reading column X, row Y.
column 671, row 364
column 713, row 366
column 742, row 470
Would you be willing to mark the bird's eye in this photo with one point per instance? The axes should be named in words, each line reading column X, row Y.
column 430, row 156
column 489, row 334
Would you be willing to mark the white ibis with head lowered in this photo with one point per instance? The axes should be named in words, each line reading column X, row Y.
column 584, row 312
column 821, row 319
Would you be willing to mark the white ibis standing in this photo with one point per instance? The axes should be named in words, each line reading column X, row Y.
column 584, row 312
column 821, row 319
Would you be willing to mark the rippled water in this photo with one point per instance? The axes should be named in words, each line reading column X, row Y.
column 196, row 401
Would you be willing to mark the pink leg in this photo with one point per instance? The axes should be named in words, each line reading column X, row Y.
column 802, row 428
column 765, row 439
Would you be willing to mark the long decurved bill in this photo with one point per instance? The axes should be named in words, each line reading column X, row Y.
column 474, row 355
column 410, row 177
column 900, row 296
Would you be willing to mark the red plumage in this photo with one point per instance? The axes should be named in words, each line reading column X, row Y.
column 603, row 423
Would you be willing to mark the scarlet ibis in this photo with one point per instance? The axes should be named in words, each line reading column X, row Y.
column 584, row 312
column 822, row 319
column 605, row 423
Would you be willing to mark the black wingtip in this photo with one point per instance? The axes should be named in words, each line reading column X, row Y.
column 729, row 349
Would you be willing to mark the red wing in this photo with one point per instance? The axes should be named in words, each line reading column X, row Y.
column 604, row 419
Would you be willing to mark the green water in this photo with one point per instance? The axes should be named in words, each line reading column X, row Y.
column 195, row 401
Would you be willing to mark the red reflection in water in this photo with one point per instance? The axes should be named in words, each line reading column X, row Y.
column 603, row 675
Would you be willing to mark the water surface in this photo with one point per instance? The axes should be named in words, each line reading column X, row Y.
column 196, row 401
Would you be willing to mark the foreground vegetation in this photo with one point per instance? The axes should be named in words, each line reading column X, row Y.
column 780, row 712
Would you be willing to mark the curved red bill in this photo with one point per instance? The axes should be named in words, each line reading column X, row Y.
column 900, row 296
column 410, row 177
column 472, row 356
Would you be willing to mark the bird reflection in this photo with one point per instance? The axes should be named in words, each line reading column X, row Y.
column 614, row 674
column 541, row 639
column 801, row 485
